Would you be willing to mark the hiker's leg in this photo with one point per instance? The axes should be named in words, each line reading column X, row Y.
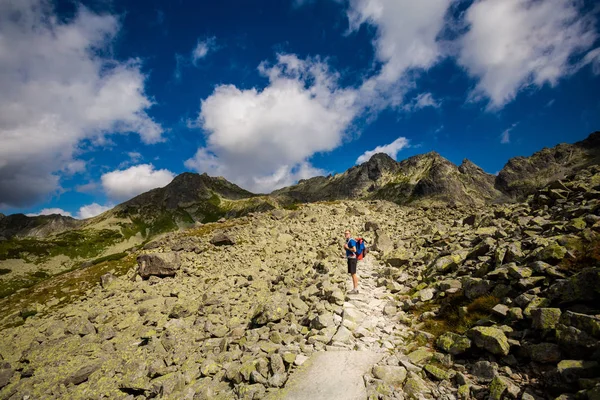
column 352, row 271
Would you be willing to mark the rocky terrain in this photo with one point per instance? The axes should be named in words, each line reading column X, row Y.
column 491, row 301
column 426, row 178
column 33, row 249
column 523, row 175
column 20, row 225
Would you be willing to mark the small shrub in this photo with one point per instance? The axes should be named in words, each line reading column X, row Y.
column 27, row 313
column 452, row 319
column 40, row 274
column 587, row 256
column 110, row 257
column 483, row 304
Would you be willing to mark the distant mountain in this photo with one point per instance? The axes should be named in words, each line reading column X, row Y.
column 20, row 225
column 422, row 178
column 188, row 199
column 523, row 175
column 191, row 198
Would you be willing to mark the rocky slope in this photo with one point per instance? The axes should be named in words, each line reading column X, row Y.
column 523, row 175
column 423, row 178
column 20, row 225
column 189, row 198
column 481, row 302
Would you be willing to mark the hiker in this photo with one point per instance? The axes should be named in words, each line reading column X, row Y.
column 350, row 247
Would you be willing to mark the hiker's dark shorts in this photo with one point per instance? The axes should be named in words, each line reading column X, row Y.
column 352, row 265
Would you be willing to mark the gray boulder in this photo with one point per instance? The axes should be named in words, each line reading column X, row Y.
column 272, row 310
column 158, row 264
column 491, row 339
column 221, row 239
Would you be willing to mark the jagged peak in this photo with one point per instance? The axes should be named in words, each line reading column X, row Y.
column 593, row 140
column 379, row 157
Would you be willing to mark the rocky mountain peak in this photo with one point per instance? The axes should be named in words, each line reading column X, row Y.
column 468, row 167
column 592, row 141
column 524, row 175
column 21, row 225
column 381, row 159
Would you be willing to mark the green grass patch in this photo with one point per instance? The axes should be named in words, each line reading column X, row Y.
column 292, row 206
column 453, row 318
column 110, row 257
column 27, row 313
column 66, row 287
column 73, row 244
column 211, row 227
column 587, row 254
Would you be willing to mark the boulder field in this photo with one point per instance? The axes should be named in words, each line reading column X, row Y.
column 493, row 301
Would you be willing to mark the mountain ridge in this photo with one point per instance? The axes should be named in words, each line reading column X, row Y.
column 421, row 179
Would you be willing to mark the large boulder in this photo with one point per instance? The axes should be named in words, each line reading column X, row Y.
column 158, row 264
column 545, row 318
column 272, row 310
column 390, row 374
column 453, row 343
column 581, row 287
column 491, row 339
column 584, row 322
column 383, row 243
column 221, row 239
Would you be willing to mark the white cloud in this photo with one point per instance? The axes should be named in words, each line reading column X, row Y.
column 391, row 150
column 91, row 210
column 406, row 40
column 203, row 47
column 59, row 88
column 50, row 211
column 423, row 100
column 505, row 136
column 515, row 44
column 90, row 187
column 301, row 112
column 125, row 184
column 593, row 57
column 133, row 157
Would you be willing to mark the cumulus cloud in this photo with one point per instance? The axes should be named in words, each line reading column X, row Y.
column 262, row 139
column 59, row 88
column 391, row 150
column 514, row 44
column 124, row 184
column 50, row 211
column 406, row 41
column 203, row 47
column 92, row 210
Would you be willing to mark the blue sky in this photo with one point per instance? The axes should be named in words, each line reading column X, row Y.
column 103, row 100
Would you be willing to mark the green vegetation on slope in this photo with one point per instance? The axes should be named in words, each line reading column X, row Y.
column 73, row 244
column 62, row 289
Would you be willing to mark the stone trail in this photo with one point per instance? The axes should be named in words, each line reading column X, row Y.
column 361, row 341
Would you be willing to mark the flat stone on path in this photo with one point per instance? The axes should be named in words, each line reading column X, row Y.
column 333, row 375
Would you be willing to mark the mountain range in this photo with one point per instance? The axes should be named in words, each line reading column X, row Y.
column 421, row 180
